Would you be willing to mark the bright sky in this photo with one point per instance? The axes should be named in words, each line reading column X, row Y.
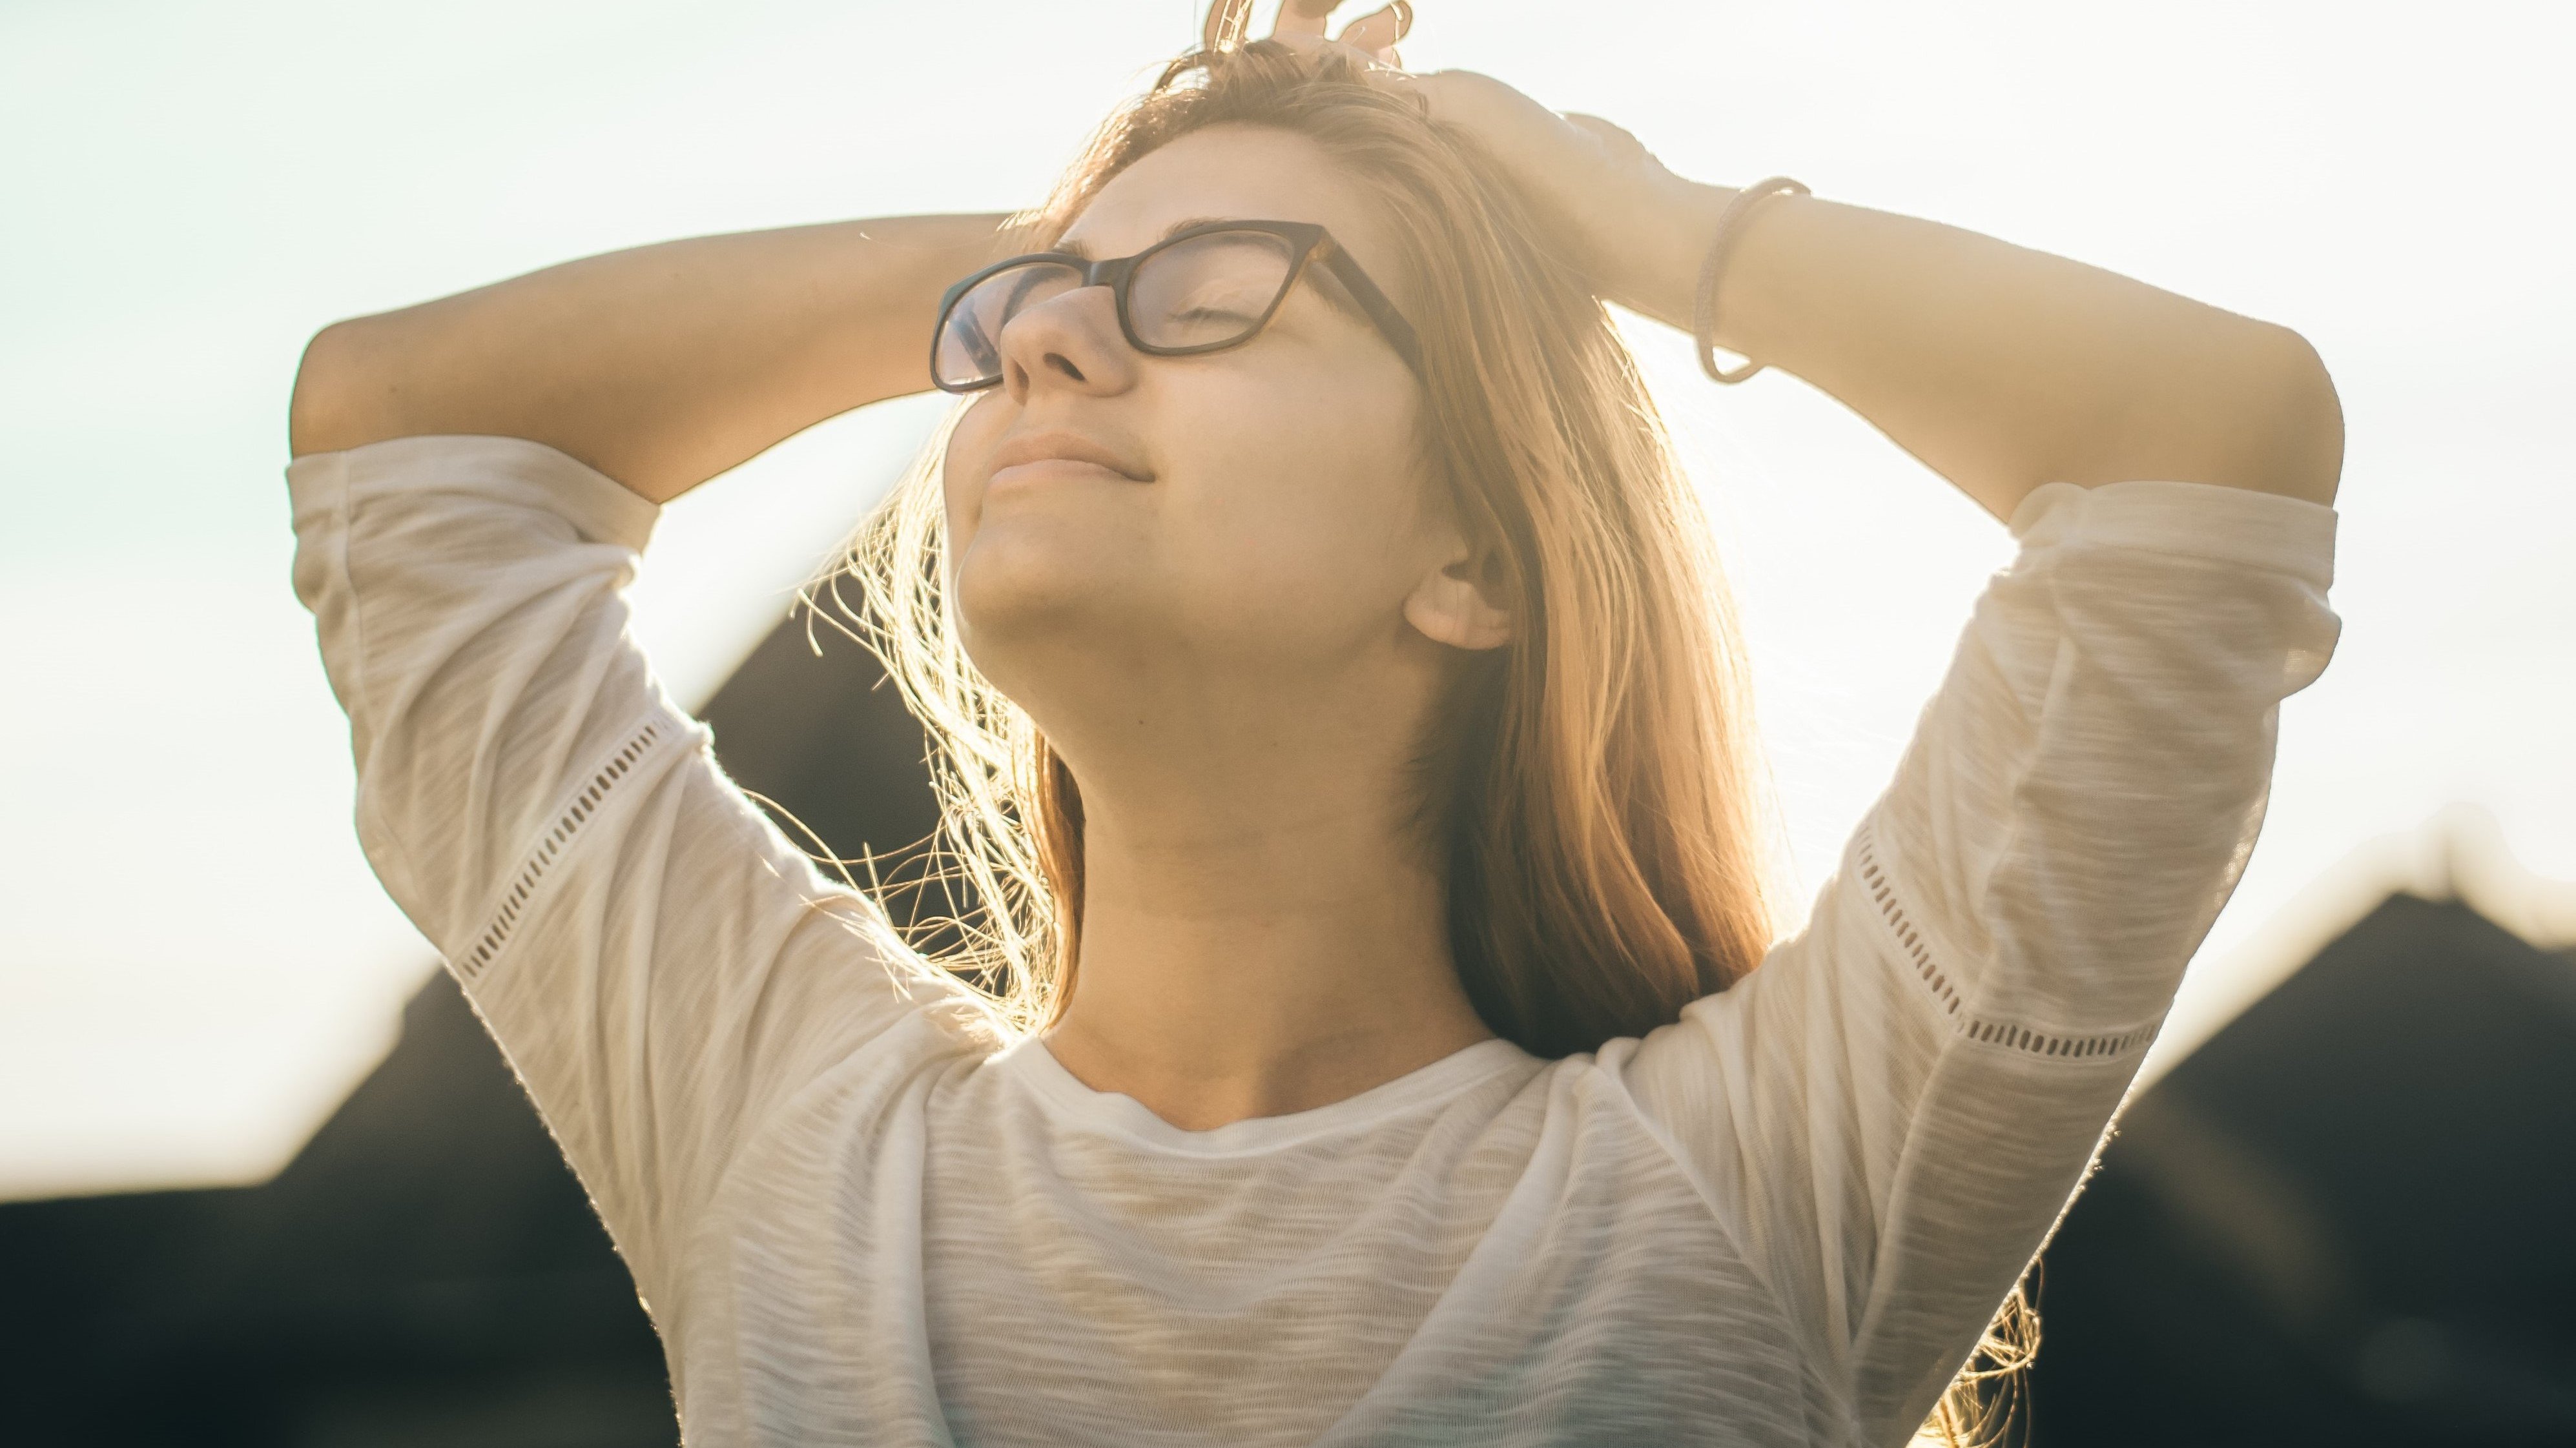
column 194, row 961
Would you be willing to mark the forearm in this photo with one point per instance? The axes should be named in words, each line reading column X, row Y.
column 661, row 366
column 2002, row 368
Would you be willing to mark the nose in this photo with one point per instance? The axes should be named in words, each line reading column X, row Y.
column 1068, row 341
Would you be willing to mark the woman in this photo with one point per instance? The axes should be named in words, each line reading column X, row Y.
column 1340, row 719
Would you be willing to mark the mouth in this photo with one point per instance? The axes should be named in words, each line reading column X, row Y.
column 1031, row 457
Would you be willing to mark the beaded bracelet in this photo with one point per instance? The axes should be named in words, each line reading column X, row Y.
column 1704, row 315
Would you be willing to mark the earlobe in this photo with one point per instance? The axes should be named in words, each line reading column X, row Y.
column 1450, row 607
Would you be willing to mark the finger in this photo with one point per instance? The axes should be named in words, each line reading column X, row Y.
column 1375, row 62
column 1228, row 21
column 1302, row 17
column 1379, row 30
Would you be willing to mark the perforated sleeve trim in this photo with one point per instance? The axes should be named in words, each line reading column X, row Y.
column 504, row 916
column 1941, row 982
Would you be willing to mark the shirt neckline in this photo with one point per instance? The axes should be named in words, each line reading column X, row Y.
column 1117, row 1114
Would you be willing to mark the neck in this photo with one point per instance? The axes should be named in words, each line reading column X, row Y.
column 1262, row 931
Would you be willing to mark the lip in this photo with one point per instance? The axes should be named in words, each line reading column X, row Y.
column 1036, row 453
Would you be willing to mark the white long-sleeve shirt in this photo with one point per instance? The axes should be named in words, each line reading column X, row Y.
column 859, row 1217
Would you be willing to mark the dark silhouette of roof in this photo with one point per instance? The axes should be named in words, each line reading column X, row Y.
column 426, row 1271
column 2348, row 1218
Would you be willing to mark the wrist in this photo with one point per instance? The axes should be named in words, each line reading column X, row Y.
column 1660, row 275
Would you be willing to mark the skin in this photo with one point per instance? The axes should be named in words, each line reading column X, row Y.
column 1218, row 582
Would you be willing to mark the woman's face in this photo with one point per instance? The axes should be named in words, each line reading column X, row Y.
column 1257, row 514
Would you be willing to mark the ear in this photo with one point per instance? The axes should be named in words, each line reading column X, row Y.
column 1455, row 603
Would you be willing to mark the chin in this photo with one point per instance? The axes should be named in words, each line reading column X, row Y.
column 1030, row 594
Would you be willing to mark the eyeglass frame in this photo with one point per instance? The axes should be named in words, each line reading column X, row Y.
column 1310, row 241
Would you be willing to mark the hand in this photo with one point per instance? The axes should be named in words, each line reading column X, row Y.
column 1630, row 225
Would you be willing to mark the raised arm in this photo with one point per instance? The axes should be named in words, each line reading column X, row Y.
column 661, row 366
column 2000, row 367
column 474, row 482
column 1889, row 1114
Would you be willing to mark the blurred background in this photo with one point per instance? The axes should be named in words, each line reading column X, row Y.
column 2338, row 1206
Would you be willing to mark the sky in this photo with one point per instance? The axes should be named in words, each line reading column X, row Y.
column 195, row 963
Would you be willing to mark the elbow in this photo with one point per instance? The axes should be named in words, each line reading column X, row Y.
column 326, row 413
column 2239, row 404
column 2294, row 445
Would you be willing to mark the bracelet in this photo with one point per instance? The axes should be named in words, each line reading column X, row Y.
column 1704, row 315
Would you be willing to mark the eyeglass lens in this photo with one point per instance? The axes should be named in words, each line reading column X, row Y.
column 970, row 345
column 1202, row 293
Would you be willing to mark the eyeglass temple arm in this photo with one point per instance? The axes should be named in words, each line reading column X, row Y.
column 1398, row 331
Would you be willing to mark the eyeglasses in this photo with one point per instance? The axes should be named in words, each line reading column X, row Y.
column 1200, row 290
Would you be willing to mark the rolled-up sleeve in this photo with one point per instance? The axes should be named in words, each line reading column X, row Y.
column 660, row 964
column 1893, row 1110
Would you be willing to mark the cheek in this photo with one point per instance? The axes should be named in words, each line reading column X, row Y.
column 972, row 440
column 1304, row 512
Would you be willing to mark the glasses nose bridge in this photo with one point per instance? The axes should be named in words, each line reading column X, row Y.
column 1112, row 272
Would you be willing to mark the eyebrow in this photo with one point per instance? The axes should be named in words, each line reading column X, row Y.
column 1071, row 246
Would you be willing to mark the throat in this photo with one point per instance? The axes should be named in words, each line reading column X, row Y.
column 1219, row 985
column 1264, row 929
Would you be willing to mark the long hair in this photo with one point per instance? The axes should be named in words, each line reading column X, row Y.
column 1593, row 789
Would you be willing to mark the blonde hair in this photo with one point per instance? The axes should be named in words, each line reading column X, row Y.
column 1594, row 788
